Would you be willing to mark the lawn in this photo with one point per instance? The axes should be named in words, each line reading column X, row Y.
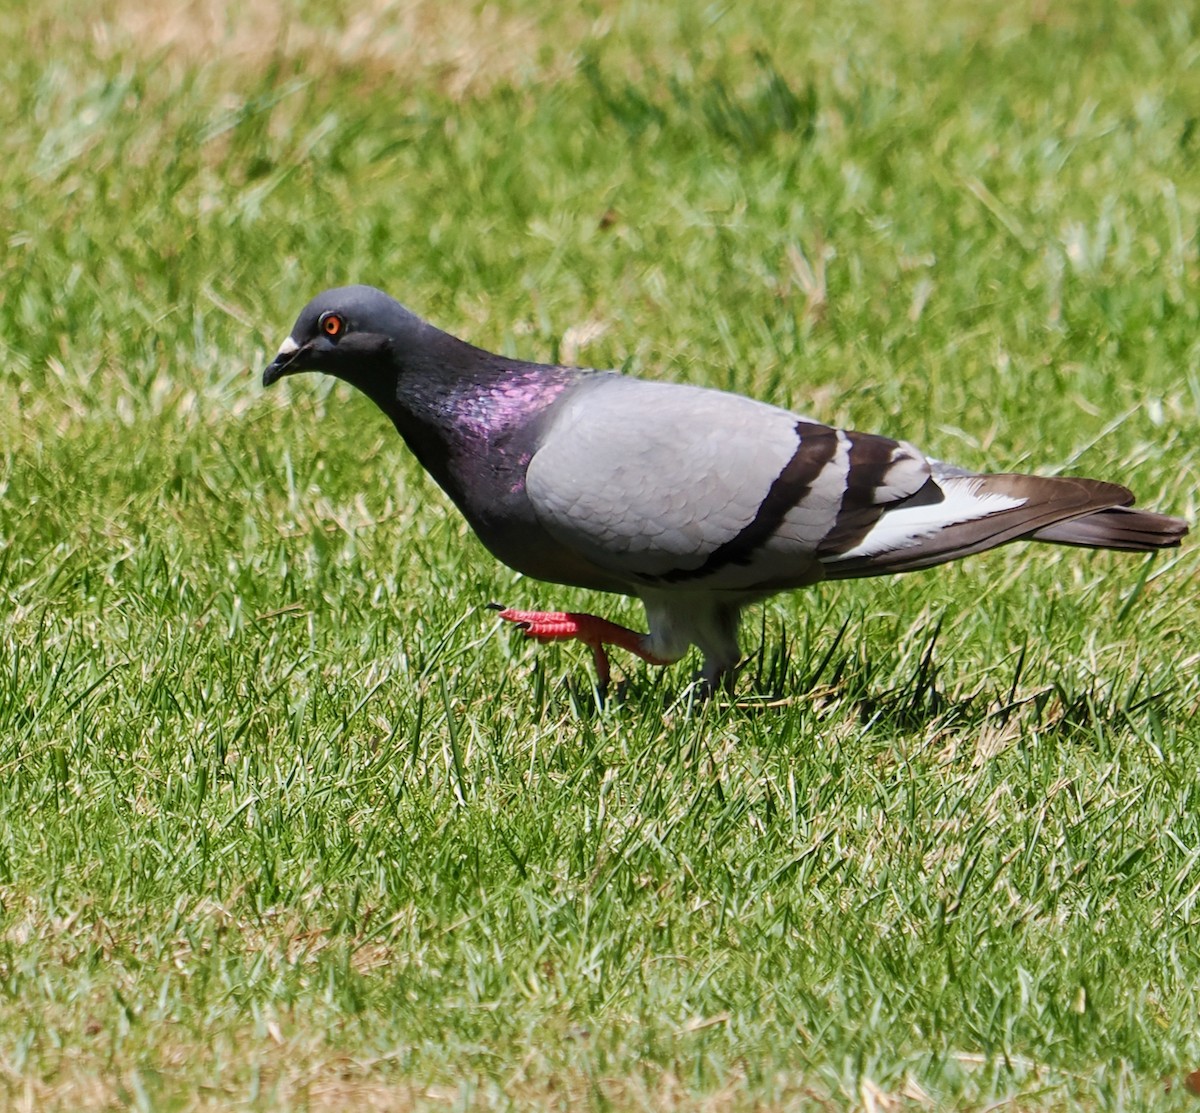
column 289, row 823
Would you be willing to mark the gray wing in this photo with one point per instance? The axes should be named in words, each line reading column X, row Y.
column 678, row 485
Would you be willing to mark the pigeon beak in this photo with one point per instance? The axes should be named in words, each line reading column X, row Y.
column 281, row 365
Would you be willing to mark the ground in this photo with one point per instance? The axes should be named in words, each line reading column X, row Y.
column 290, row 823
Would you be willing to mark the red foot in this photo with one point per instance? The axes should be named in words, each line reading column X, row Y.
column 594, row 632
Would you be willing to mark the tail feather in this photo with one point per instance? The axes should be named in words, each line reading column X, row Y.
column 980, row 512
column 1118, row 527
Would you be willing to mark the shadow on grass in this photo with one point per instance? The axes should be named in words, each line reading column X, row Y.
column 902, row 690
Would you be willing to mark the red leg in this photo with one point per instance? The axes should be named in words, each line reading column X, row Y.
column 594, row 632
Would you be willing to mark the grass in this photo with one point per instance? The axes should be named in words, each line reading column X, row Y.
column 289, row 824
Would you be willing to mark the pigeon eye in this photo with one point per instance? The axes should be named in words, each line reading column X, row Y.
column 332, row 324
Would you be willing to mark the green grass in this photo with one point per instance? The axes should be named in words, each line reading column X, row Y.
column 289, row 824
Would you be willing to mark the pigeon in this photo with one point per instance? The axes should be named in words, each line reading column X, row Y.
column 697, row 501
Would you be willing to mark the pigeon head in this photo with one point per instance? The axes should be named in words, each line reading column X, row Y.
column 353, row 332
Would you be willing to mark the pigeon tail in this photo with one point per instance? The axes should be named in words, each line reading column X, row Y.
column 981, row 512
column 1125, row 528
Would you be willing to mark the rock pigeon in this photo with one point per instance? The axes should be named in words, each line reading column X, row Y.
column 697, row 501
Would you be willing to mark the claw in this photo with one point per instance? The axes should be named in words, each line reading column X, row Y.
column 594, row 632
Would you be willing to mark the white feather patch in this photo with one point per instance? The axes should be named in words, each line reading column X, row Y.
column 907, row 525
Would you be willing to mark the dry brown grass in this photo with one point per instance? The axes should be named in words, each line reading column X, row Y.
column 287, row 1075
column 290, row 1076
column 464, row 49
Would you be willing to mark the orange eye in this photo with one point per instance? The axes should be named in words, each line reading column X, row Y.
column 332, row 324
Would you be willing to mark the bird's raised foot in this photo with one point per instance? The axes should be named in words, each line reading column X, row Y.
column 593, row 631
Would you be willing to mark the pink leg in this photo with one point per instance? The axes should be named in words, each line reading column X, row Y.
column 594, row 632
